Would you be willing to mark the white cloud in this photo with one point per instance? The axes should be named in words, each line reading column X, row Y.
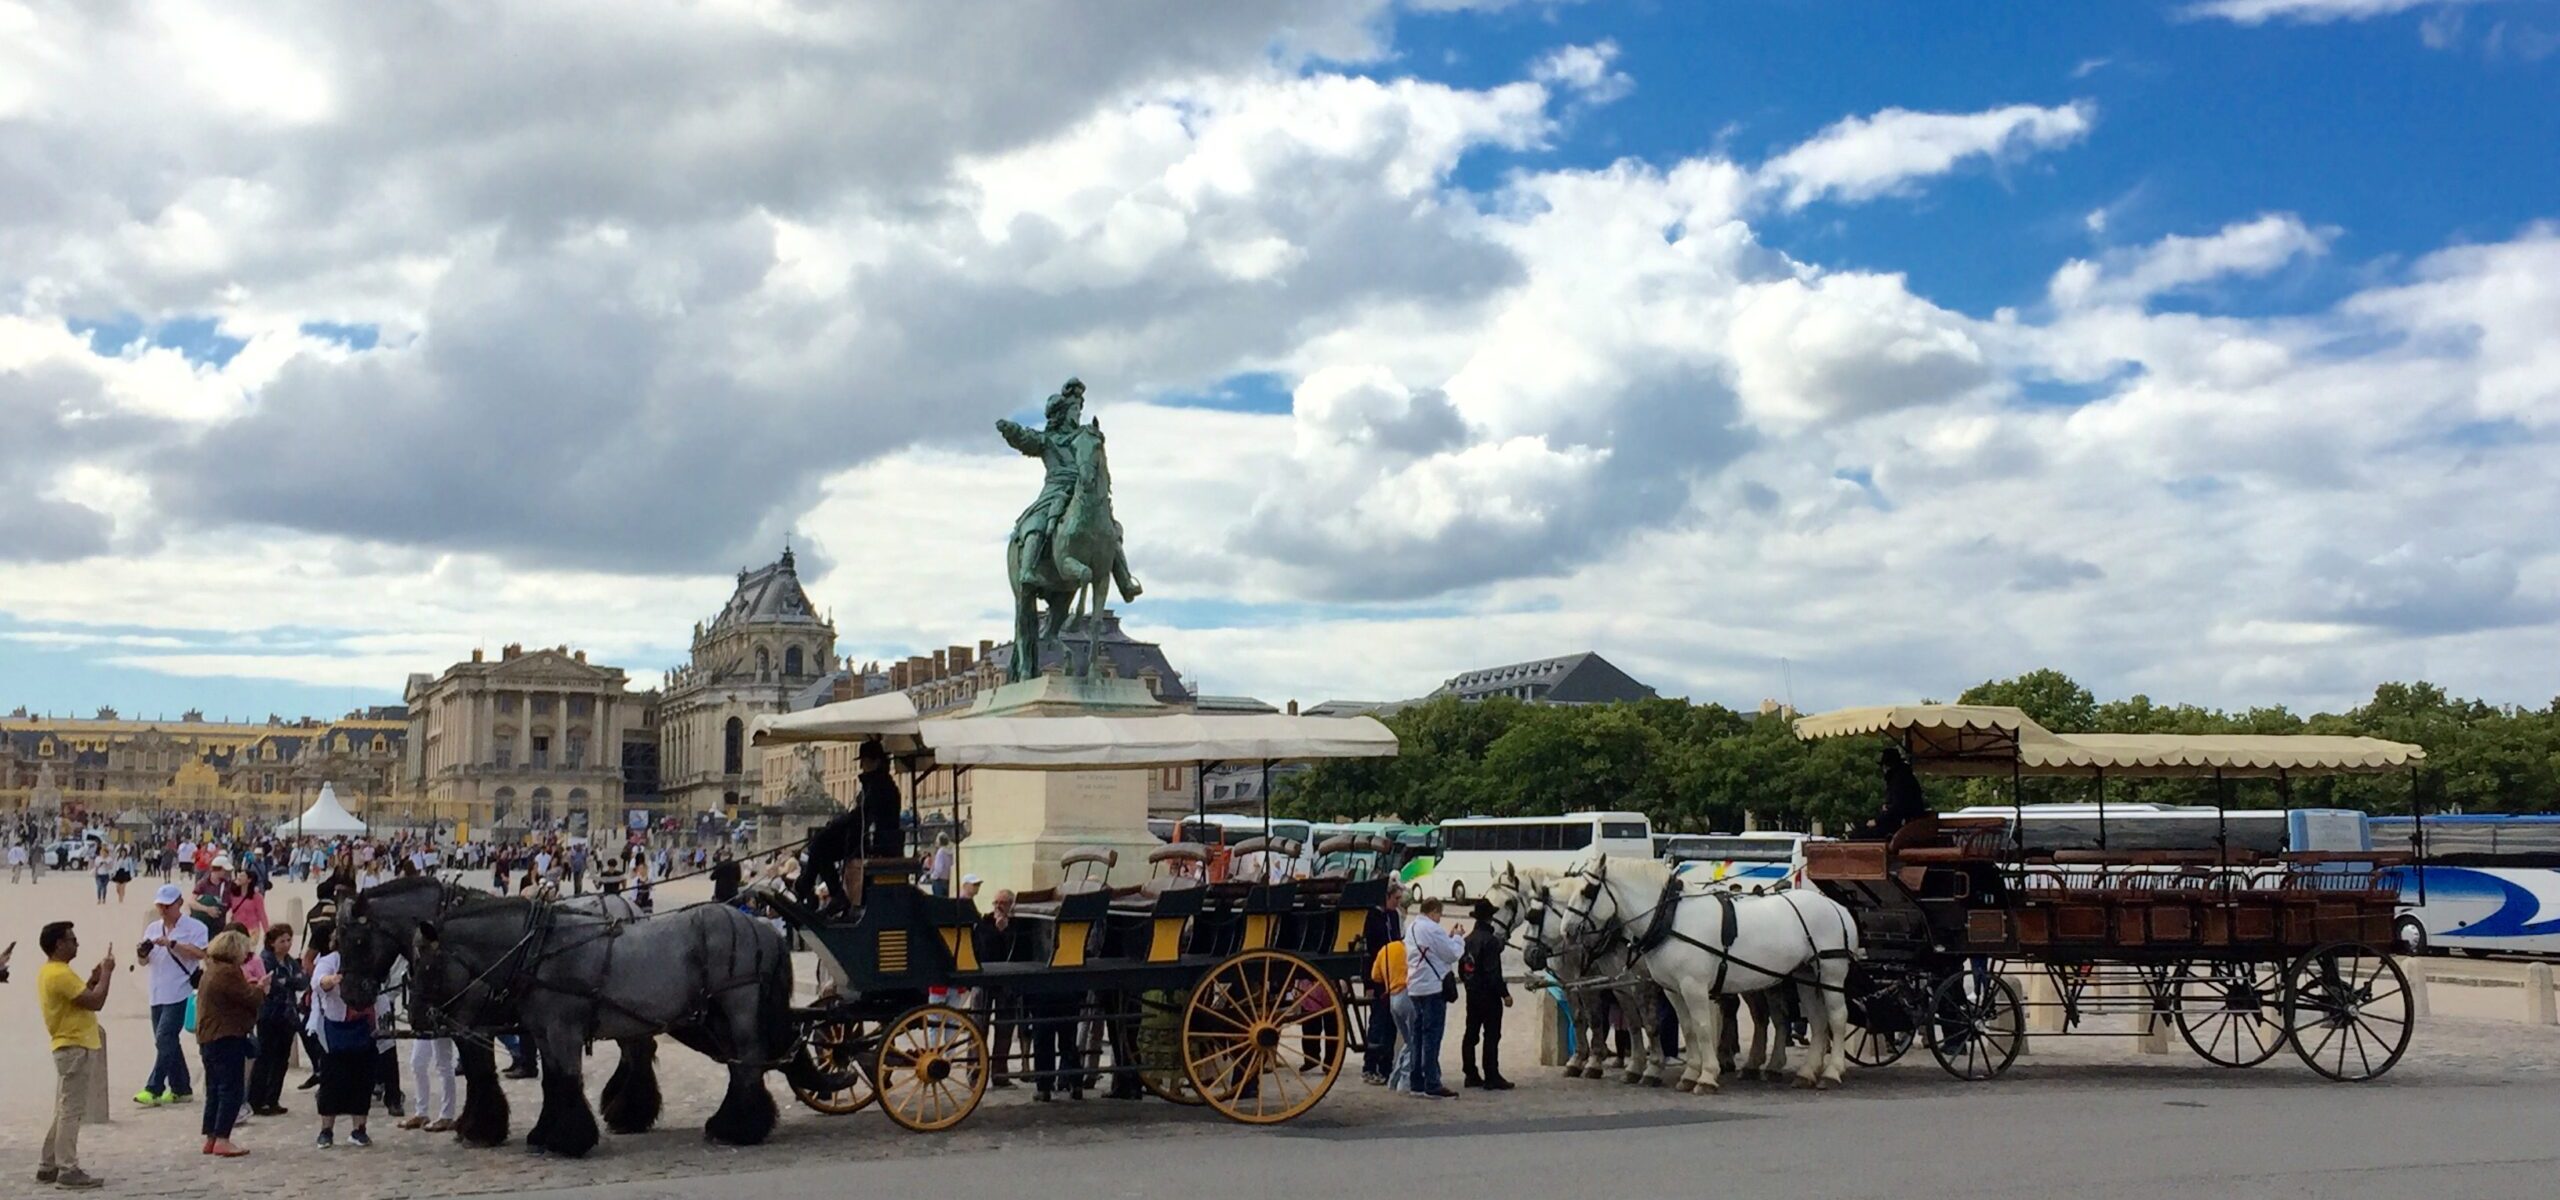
column 2260, row 12
column 1585, row 71
column 2243, row 249
column 1860, row 158
column 652, row 297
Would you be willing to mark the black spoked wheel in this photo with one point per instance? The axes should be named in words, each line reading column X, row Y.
column 1884, row 1024
column 2350, row 1011
column 1976, row 1024
column 841, row 1050
column 2231, row 1013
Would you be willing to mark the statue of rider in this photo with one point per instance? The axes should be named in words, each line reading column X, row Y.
column 1057, row 447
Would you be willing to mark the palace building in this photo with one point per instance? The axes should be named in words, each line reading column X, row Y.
column 537, row 740
column 110, row 765
column 767, row 645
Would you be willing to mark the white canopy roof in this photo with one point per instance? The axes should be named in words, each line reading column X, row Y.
column 889, row 716
column 1077, row 743
column 1177, row 739
column 325, row 818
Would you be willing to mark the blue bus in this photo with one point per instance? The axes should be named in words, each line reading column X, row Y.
column 2487, row 884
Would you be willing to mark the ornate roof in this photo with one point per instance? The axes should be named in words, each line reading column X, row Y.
column 769, row 595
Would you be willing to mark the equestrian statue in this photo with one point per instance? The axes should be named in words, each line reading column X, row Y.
column 1065, row 549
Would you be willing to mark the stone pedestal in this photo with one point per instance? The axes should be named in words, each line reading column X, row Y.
column 1022, row 822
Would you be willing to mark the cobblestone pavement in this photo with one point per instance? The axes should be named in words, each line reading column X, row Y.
column 155, row 1152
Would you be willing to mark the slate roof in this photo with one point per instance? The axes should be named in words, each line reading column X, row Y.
column 1584, row 678
column 1129, row 656
column 769, row 595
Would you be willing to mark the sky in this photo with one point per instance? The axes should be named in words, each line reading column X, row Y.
column 1829, row 352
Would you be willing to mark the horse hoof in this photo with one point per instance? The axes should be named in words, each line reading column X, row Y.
column 1824, row 1085
column 1803, row 1083
column 1708, row 1089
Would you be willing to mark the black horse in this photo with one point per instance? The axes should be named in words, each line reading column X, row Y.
column 567, row 975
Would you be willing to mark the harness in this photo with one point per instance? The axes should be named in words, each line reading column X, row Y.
column 1661, row 926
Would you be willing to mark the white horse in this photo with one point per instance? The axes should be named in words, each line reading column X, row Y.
column 1683, row 942
column 1522, row 907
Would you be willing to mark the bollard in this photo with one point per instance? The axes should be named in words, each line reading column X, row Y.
column 1551, row 1051
column 2538, row 1007
column 101, row 1102
column 2418, row 1006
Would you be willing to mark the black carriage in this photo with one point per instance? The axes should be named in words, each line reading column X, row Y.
column 1972, row 926
column 1237, row 996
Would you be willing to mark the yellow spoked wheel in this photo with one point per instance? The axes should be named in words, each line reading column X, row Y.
column 836, row 1047
column 932, row 1069
column 1160, row 1048
column 1263, row 1037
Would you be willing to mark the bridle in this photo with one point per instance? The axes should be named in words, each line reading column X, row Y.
column 1596, row 937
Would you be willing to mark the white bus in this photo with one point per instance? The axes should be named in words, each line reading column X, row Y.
column 1474, row 849
column 2488, row 884
column 1742, row 862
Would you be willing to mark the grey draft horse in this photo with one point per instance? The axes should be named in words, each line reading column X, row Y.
column 714, row 978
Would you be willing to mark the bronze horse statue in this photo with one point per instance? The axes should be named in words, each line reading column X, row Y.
column 1074, row 547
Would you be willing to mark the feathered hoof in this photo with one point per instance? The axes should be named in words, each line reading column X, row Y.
column 1804, row 1084
column 1631, row 1078
column 1654, row 1081
column 1825, row 1084
column 1706, row 1088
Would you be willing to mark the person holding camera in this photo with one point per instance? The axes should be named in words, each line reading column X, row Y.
column 172, row 947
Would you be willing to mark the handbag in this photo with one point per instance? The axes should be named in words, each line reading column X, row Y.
column 346, row 1037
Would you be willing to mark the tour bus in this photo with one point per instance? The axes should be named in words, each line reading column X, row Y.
column 1226, row 829
column 2488, row 884
column 1747, row 862
column 1474, row 849
column 2147, row 826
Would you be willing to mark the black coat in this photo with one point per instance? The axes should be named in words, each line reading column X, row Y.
column 880, row 807
column 1482, row 967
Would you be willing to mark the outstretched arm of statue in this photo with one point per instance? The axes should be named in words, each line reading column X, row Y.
column 1025, row 440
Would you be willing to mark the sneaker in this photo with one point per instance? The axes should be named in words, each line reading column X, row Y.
column 324, row 1141
column 177, row 1098
column 48, row 1174
column 359, row 1139
column 77, row 1180
column 151, row 1099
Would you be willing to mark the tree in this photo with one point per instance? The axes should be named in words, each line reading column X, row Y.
column 2054, row 699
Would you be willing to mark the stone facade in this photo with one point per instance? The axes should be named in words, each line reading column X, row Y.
column 766, row 646
column 533, row 741
column 108, row 764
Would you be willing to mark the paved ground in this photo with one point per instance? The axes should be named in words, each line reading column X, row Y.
column 2467, row 1114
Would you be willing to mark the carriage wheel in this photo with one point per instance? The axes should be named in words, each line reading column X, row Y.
column 2350, row 1011
column 932, row 1068
column 839, row 1049
column 1868, row 1046
column 2231, row 1013
column 1976, row 1024
column 1160, row 1049
column 1263, row 1037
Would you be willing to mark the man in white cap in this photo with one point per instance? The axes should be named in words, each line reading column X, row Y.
column 171, row 947
column 969, row 885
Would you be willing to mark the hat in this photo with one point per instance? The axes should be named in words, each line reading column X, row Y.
column 971, row 879
column 222, row 862
column 168, row 894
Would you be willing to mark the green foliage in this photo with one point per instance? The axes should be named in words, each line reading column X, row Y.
column 1702, row 766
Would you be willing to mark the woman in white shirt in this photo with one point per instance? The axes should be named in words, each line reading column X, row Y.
column 346, row 1053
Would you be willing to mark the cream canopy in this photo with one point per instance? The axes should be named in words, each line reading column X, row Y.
column 1973, row 739
column 1080, row 743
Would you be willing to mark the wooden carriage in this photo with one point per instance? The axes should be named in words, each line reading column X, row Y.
column 1226, row 994
column 2243, row 950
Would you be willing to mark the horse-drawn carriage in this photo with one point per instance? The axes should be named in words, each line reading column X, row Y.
column 1228, row 994
column 2245, row 949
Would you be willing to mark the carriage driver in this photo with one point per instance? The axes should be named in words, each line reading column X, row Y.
column 1055, row 446
column 868, row 830
column 1903, row 802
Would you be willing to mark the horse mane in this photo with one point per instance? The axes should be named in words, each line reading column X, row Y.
column 1650, row 872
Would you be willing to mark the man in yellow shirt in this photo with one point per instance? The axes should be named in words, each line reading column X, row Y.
column 71, row 1021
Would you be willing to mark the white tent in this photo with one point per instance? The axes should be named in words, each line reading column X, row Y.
column 325, row 818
